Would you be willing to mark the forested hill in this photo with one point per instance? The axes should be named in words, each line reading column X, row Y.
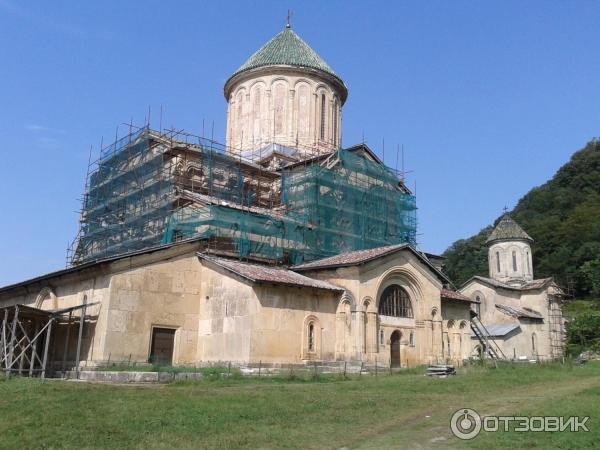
column 563, row 217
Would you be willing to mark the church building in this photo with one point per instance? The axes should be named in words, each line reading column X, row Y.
column 281, row 247
column 518, row 316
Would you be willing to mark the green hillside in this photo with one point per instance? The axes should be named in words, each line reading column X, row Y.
column 563, row 216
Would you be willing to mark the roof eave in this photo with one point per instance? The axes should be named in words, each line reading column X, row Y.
column 245, row 74
column 524, row 239
column 440, row 274
column 255, row 280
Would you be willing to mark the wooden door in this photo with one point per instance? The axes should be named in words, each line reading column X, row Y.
column 163, row 341
column 395, row 349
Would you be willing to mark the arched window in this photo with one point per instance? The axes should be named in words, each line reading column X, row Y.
column 335, row 121
column 498, row 261
column 395, row 302
column 533, row 343
column 256, row 114
column 239, row 118
column 411, row 339
column 322, row 133
column 514, row 260
column 528, row 263
column 280, row 109
column 381, row 336
column 311, row 337
column 477, row 306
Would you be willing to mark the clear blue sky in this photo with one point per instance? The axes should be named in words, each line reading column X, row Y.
column 488, row 98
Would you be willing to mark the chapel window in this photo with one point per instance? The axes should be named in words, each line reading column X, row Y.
column 514, row 261
column 311, row 337
column 498, row 261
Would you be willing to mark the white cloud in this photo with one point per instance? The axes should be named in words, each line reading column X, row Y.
column 44, row 129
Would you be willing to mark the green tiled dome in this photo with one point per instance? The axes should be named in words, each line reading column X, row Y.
column 287, row 48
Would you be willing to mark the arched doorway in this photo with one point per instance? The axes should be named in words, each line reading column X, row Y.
column 395, row 349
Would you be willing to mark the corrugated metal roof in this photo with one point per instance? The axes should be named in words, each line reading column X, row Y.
column 268, row 274
column 499, row 329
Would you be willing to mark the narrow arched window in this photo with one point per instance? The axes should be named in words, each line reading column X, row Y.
column 528, row 263
column 323, row 117
column 381, row 337
column 311, row 337
column 280, row 109
column 514, row 260
column 477, row 306
column 335, row 122
column 498, row 261
column 395, row 302
column 411, row 339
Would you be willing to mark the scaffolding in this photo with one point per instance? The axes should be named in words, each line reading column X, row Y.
column 30, row 338
column 281, row 205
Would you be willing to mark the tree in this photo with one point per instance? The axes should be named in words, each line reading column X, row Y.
column 591, row 273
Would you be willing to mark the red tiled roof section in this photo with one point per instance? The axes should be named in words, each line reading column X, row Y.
column 350, row 258
column 455, row 295
column 268, row 274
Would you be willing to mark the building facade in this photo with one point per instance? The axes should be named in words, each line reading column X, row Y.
column 178, row 304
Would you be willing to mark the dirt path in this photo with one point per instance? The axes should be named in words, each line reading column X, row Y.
column 429, row 427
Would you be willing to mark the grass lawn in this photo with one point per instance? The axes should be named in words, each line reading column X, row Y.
column 399, row 411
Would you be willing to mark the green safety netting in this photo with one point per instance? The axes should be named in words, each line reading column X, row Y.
column 130, row 204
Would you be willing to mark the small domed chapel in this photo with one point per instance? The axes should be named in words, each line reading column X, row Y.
column 282, row 246
column 519, row 317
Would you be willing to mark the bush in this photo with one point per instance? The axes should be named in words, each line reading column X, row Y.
column 583, row 333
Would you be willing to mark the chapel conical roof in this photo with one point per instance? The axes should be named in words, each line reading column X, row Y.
column 287, row 49
column 506, row 230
